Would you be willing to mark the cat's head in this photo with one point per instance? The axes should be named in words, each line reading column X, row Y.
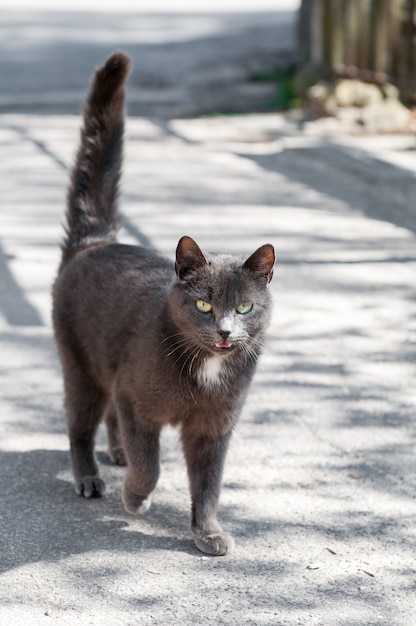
column 221, row 303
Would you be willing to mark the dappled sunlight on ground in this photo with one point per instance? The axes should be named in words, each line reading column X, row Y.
column 319, row 488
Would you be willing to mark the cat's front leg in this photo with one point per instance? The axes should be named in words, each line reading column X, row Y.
column 205, row 460
column 140, row 438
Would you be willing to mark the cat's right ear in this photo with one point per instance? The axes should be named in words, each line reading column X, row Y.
column 188, row 257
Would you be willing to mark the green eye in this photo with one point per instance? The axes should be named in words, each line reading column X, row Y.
column 203, row 306
column 244, row 308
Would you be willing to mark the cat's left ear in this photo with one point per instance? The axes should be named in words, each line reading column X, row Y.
column 188, row 257
column 262, row 261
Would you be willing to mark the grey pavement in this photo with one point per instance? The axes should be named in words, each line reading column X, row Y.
column 319, row 488
column 184, row 63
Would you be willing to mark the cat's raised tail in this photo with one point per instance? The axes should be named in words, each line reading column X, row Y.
column 93, row 192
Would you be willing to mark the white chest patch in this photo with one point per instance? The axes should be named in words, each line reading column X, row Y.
column 212, row 371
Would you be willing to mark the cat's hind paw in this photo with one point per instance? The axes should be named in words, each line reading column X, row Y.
column 215, row 543
column 90, row 487
column 117, row 456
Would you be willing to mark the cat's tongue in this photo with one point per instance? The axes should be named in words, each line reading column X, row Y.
column 223, row 345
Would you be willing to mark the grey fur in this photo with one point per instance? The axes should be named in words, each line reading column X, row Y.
column 135, row 349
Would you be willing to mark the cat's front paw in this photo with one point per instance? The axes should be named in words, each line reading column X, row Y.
column 90, row 487
column 135, row 504
column 215, row 543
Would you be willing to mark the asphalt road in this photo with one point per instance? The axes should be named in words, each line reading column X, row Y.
column 184, row 63
column 319, row 488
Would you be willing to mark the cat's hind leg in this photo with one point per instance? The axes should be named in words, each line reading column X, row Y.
column 115, row 446
column 85, row 407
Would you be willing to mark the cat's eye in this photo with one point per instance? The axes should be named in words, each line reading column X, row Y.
column 244, row 308
column 203, row 307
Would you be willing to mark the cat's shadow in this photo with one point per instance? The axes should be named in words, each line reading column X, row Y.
column 44, row 520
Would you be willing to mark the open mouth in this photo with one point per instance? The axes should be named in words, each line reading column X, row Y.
column 223, row 346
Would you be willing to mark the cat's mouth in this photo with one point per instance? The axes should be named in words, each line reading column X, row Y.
column 223, row 346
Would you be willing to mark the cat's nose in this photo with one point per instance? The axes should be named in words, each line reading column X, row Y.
column 224, row 334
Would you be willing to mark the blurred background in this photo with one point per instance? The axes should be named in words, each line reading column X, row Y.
column 319, row 58
column 189, row 58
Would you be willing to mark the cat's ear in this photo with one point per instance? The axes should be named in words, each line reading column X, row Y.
column 188, row 257
column 262, row 261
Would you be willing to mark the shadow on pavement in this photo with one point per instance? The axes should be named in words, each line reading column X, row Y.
column 54, row 522
column 377, row 189
column 14, row 305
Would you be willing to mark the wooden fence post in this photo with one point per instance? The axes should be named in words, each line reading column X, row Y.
column 370, row 39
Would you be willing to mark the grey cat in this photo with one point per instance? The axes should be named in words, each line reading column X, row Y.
column 144, row 344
